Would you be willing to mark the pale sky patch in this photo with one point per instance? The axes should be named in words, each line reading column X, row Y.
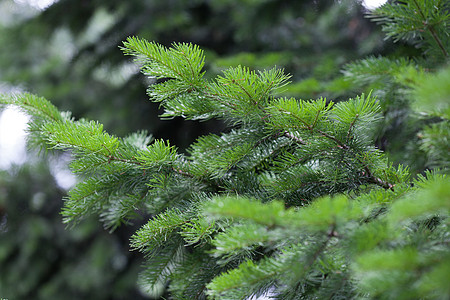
column 12, row 137
column 372, row 4
column 39, row 4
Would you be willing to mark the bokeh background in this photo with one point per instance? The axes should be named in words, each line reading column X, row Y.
column 68, row 52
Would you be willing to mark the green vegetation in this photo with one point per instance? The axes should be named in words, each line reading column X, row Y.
column 295, row 196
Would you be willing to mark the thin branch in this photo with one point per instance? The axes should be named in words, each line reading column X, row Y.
column 438, row 41
column 431, row 29
column 373, row 179
column 351, row 126
column 315, row 119
column 266, row 92
column 331, row 233
column 344, row 146
column 189, row 63
column 341, row 144
column 296, row 139
column 242, row 88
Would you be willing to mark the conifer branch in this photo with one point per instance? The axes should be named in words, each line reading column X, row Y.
column 269, row 203
column 33, row 105
column 351, row 126
column 296, row 139
column 373, row 179
column 142, row 48
column 364, row 106
column 128, row 161
column 236, row 82
column 334, row 139
column 218, row 97
column 188, row 61
column 431, row 29
column 322, row 247
column 265, row 93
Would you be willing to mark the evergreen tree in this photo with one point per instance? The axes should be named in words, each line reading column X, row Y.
column 292, row 198
column 68, row 53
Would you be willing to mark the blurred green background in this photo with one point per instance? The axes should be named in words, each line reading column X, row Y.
column 69, row 53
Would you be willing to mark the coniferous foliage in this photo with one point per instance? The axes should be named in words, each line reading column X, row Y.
column 293, row 198
column 423, row 23
column 396, row 80
column 69, row 52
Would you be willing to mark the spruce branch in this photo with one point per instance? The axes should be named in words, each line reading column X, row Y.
column 431, row 29
column 278, row 201
column 236, row 82
column 34, row 106
column 161, row 62
column 410, row 19
column 331, row 233
column 158, row 230
column 351, row 127
column 159, row 267
column 361, row 110
column 378, row 181
column 296, row 139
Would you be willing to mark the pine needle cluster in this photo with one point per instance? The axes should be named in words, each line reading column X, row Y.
column 293, row 198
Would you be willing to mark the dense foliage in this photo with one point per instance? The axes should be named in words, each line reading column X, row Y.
column 69, row 53
column 293, row 197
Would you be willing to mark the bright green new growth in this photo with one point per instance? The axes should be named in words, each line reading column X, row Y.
column 293, row 198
